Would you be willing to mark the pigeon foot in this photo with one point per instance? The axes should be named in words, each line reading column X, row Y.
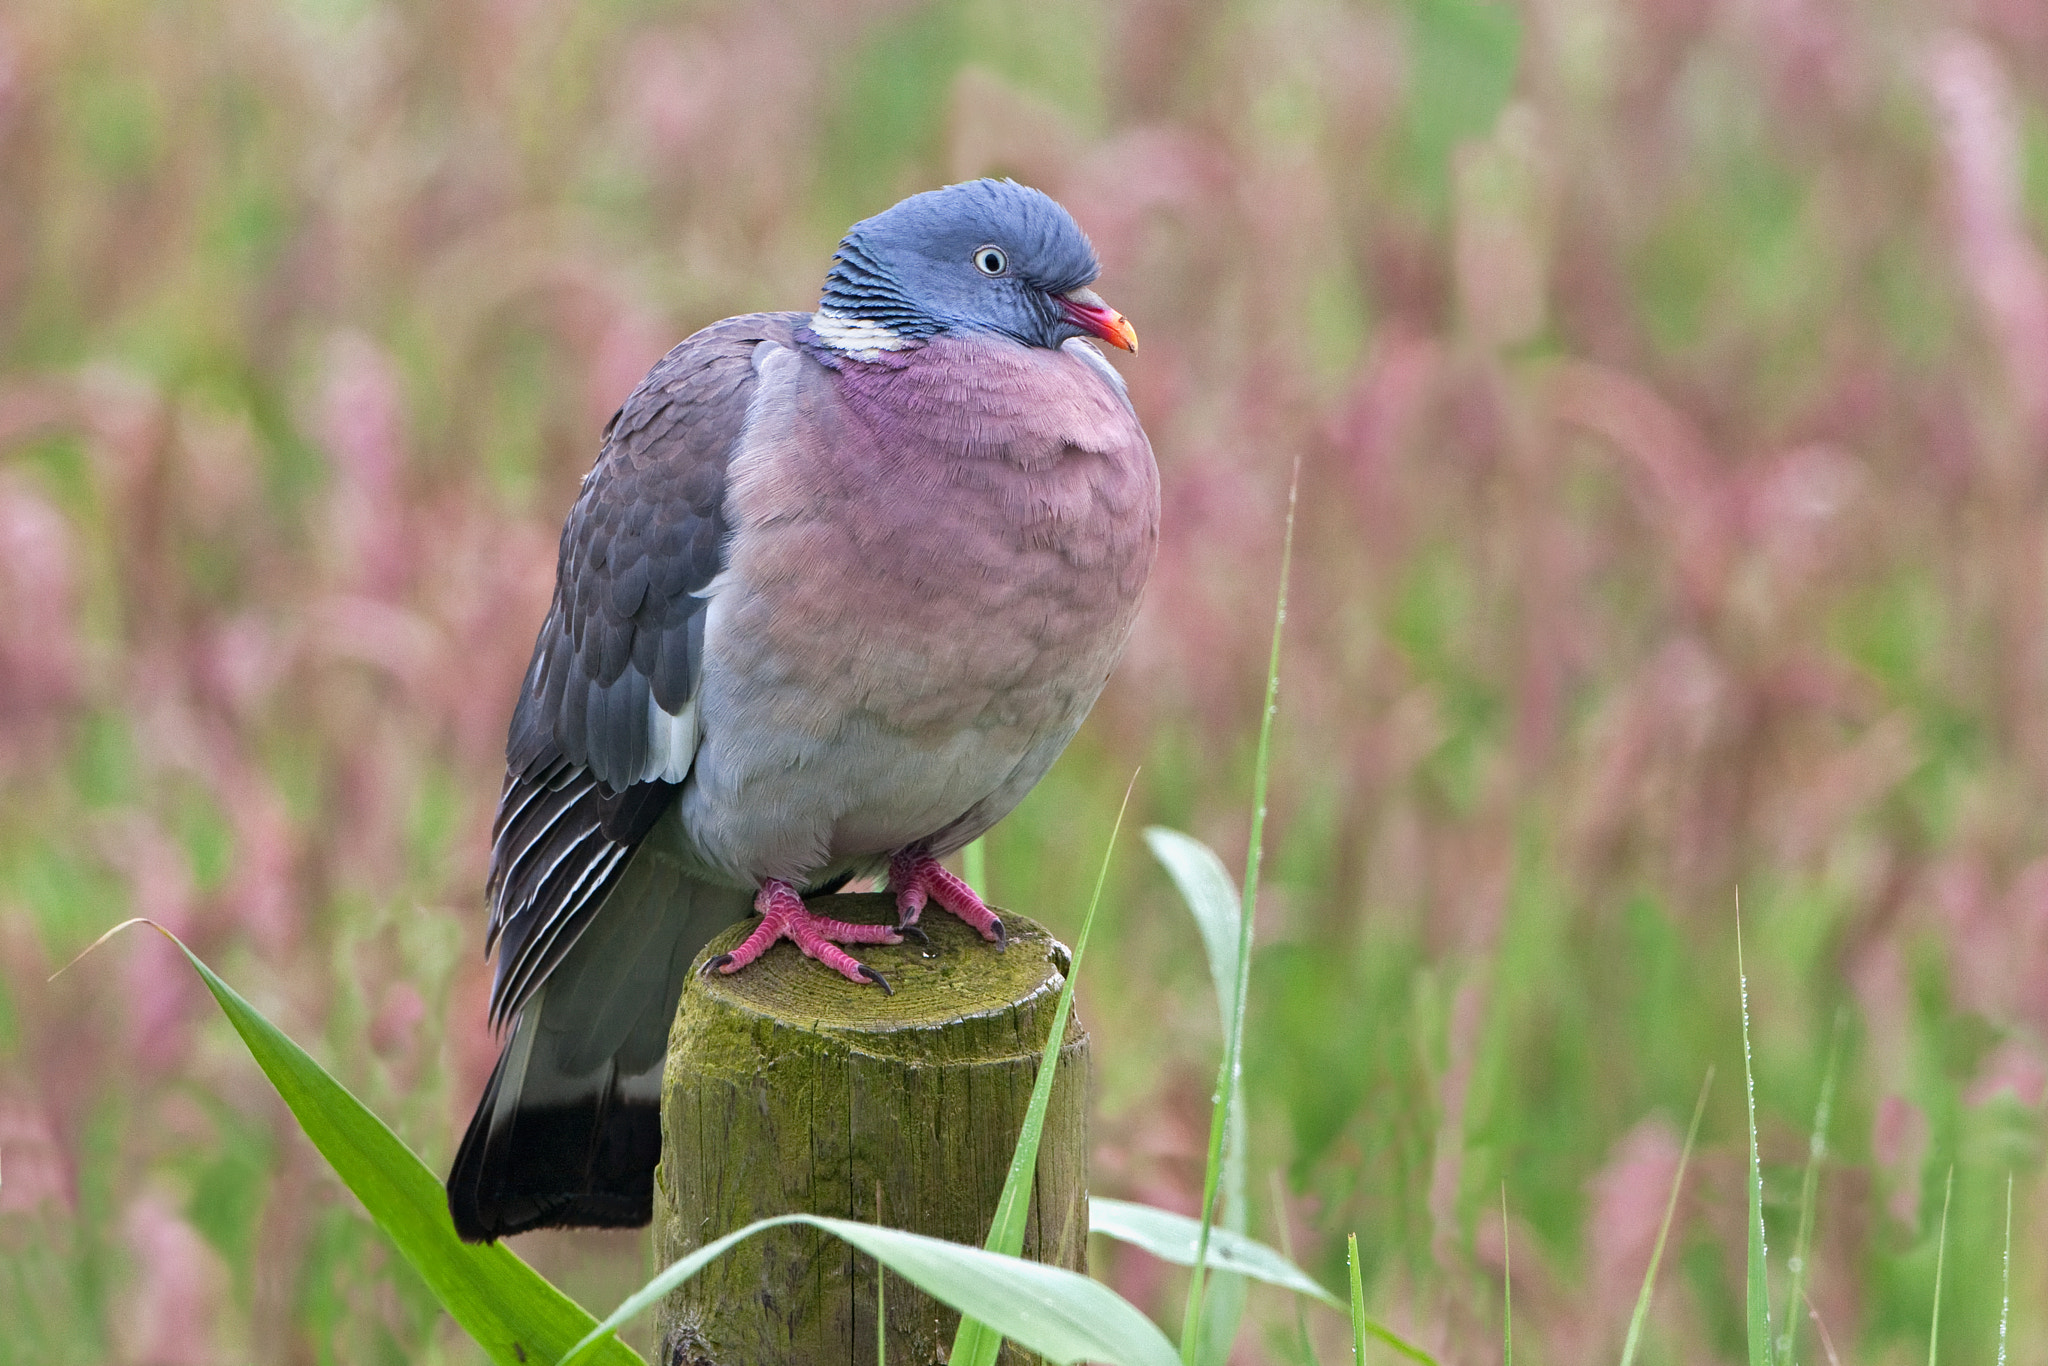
column 918, row 878
column 784, row 916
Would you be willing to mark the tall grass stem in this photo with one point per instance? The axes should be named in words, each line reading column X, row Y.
column 975, row 1344
column 1357, row 1302
column 1948, row 1191
column 1507, row 1283
column 1758, row 1297
column 2005, row 1289
column 1233, row 1047
column 1809, row 1187
column 1642, row 1312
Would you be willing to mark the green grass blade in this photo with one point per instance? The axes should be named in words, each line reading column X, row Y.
column 511, row 1310
column 1357, row 1303
column 1940, row 1256
column 1059, row 1314
column 1809, row 1189
column 1758, row 1297
column 1233, row 1036
column 1642, row 1312
column 2005, row 1292
column 974, row 1344
column 1213, row 900
column 1223, row 1304
column 1507, row 1283
column 1171, row 1238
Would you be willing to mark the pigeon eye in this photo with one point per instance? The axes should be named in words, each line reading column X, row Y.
column 990, row 260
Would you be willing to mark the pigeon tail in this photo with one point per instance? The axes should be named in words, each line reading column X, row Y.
column 568, row 1132
column 583, row 1161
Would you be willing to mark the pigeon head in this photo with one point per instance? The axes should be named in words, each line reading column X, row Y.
column 986, row 256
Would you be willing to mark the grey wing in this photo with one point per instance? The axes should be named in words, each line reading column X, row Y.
column 605, row 727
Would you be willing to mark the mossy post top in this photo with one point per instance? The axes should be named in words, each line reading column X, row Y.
column 789, row 1087
column 1003, row 999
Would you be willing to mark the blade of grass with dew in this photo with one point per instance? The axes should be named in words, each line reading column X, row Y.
column 1758, row 1297
column 1642, row 1312
column 1357, row 1302
column 511, row 1310
column 1233, row 1038
column 1948, row 1190
column 974, row 1344
column 1057, row 1313
column 1809, row 1188
column 2005, row 1291
column 1507, row 1283
column 1212, row 899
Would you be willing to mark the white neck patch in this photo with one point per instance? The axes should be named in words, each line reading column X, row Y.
column 860, row 338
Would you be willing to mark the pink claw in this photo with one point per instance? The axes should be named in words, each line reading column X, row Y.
column 784, row 916
column 918, row 877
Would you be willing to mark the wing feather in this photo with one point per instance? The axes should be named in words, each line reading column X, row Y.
column 605, row 724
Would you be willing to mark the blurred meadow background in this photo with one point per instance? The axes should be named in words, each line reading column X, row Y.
column 1669, row 382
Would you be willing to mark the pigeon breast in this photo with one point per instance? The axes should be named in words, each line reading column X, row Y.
column 934, row 562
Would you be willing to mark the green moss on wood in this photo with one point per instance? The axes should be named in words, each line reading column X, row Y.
column 790, row 1088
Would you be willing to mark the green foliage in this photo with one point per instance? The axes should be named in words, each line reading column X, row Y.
column 1463, row 55
column 2005, row 1275
column 1172, row 1238
column 1224, row 1170
column 1745, row 258
column 1211, row 895
column 1731, row 579
column 115, row 122
column 64, row 891
column 1757, row 1291
column 1948, row 1190
column 509, row 1309
column 1220, row 916
column 1213, row 899
column 518, row 1317
column 889, row 115
column 976, row 1343
column 1809, row 1192
column 228, row 1189
column 1642, row 1309
column 53, row 1292
column 1046, row 1309
column 1360, row 1325
column 1507, row 1285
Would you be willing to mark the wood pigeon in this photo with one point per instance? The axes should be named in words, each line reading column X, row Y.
column 838, row 590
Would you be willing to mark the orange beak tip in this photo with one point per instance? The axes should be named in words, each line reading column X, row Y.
column 1098, row 319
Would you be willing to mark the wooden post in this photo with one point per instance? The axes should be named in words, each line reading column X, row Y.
column 790, row 1088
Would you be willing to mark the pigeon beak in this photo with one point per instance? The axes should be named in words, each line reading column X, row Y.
column 1087, row 310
